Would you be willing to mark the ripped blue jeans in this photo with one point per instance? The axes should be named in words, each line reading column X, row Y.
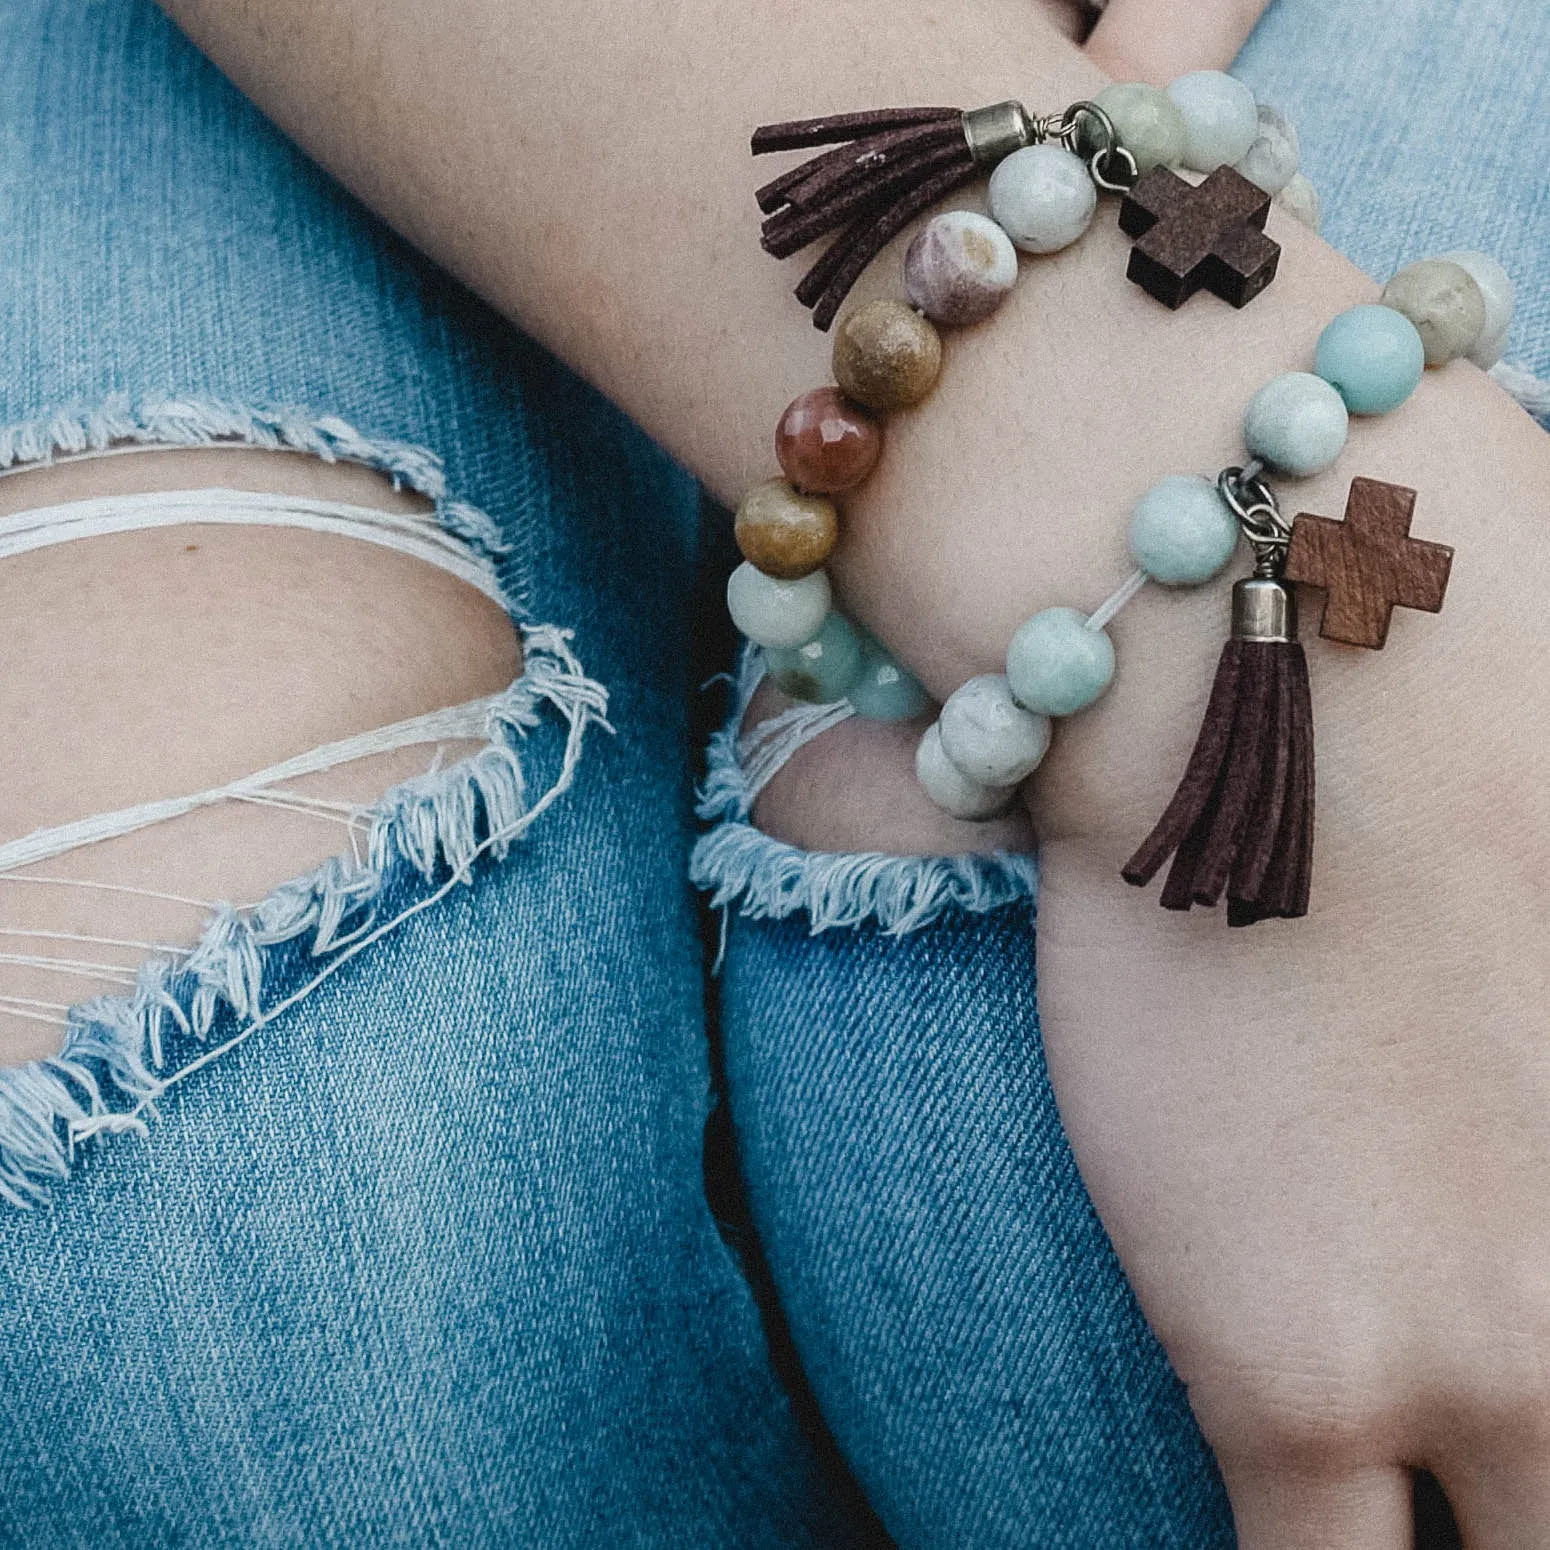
column 423, row 1254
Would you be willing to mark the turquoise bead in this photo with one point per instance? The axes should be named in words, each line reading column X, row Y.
column 823, row 670
column 1182, row 532
column 1056, row 665
column 885, row 690
column 1374, row 356
column 1297, row 422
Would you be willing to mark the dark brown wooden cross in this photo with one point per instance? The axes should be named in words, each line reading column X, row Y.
column 1209, row 236
column 1369, row 564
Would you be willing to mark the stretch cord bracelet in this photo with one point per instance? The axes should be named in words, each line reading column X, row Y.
column 957, row 271
column 1241, row 822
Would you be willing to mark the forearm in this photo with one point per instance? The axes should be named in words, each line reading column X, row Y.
column 587, row 171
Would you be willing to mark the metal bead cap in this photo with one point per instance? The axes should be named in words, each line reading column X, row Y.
column 1264, row 610
column 995, row 132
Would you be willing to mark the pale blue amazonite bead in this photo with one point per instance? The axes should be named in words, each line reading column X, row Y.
column 1056, row 665
column 1297, row 423
column 885, row 690
column 1182, row 532
column 823, row 670
column 1373, row 355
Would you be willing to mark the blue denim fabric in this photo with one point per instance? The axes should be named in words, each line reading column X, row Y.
column 965, row 1325
column 427, row 1260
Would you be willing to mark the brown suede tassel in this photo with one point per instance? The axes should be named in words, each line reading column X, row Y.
column 890, row 166
column 1242, row 818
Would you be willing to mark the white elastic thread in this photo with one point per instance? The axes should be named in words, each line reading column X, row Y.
column 1104, row 614
column 453, row 723
column 765, row 751
column 416, row 534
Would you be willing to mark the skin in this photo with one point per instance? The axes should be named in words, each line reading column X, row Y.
column 283, row 640
column 1321, row 1147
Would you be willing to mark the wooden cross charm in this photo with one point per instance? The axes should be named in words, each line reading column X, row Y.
column 1211, row 235
column 1369, row 564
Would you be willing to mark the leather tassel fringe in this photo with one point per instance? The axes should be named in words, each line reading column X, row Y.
column 1241, row 821
column 889, row 166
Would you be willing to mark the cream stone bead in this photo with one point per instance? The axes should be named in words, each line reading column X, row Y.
column 1443, row 301
column 777, row 613
column 1496, row 287
column 1271, row 161
column 989, row 736
column 1221, row 118
column 950, row 788
column 1300, row 200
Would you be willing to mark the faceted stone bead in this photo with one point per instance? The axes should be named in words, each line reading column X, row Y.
column 825, row 444
column 776, row 613
column 887, row 356
column 1147, row 121
column 1297, row 423
column 1300, row 200
column 1042, row 197
column 988, row 735
column 960, row 267
column 785, row 534
column 1496, row 287
column 1220, row 118
column 950, row 788
column 1373, row 355
column 824, row 669
column 1271, row 162
column 885, row 690
column 1182, row 532
column 1443, row 301
column 1056, row 665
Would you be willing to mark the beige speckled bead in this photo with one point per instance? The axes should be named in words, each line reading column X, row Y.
column 1443, row 301
column 1300, row 200
column 887, row 356
column 784, row 533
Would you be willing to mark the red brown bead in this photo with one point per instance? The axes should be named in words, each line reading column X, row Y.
column 826, row 443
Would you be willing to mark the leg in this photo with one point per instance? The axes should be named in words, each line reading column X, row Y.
column 415, row 1248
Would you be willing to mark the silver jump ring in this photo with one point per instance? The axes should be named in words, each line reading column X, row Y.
column 1110, row 165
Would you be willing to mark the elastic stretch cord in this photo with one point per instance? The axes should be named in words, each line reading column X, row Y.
column 468, row 721
column 415, row 534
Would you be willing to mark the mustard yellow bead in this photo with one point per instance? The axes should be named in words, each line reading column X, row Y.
column 784, row 533
column 887, row 356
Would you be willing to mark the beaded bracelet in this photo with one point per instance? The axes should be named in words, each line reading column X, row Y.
column 957, row 272
column 1241, row 822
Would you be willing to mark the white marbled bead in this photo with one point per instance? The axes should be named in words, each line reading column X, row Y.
column 988, row 735
column 1042, row 197
column 1220, row 118
column 777, row 613
column 1300, row 200
column 1271, row 162
column 960, row 267
column 1297, row 423
column 1444, row 302
column 1496, row 287
column 1147, row 121
column 949, row 787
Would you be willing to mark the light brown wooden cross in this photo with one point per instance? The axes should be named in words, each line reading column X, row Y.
column 1368, row 564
